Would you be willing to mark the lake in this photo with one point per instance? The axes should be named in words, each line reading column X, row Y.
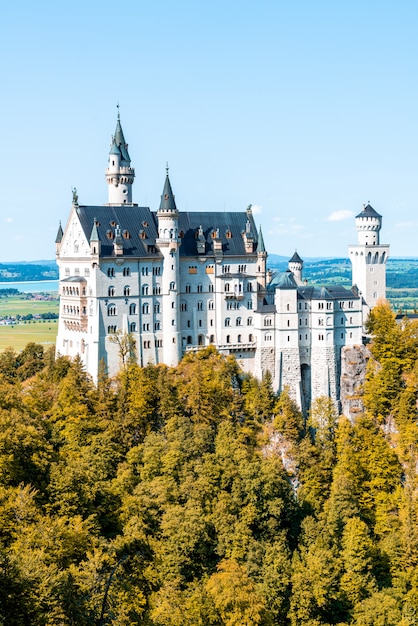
column 31, row 285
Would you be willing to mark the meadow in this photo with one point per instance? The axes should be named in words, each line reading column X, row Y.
column 37, row 331
column 24, row 305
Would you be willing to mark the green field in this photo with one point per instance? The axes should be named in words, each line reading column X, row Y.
column 21, row 305
column 37, row 331
column 19, row 335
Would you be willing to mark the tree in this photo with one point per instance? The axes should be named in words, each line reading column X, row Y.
column 358, row 581
column 235, row 596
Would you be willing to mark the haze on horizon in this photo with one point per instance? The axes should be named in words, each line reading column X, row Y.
column 305, row 110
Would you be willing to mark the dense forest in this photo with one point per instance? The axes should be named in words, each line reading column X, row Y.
column 196, row 496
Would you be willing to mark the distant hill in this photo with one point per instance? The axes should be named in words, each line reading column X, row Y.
column 401, row 273
column 22, row 271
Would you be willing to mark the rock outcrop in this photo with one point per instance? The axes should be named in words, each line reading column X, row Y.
column 353, row 374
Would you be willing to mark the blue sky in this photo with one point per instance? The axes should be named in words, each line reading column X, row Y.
column 304, row 109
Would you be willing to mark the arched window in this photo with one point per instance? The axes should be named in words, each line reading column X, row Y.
column 267, row 321
column 267, row 337
column 111, row 271
column 239, row 339
column 126, row 271
column 211, row 305
column 144, row 290
column 250, row 338
column 132, row 309
column 111, row 309
column 145, row 308
column 111, row 291
column 227, row 321
column 126, row 290
column 239, row 321
column 212, row 339
column 200, row 306
column 189, row 340
column 132, row 327
column 228, row 339
column 172, row 285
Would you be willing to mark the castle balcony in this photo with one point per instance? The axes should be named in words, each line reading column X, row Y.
column 230, row 295
column 74, row 321
column 237, row 347
column 229, row 347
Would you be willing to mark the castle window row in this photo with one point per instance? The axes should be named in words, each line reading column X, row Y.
column 73, row 291
column 73, row 310
column 158, row 344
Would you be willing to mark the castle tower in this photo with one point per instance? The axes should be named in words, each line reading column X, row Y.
column 368, row 258
column 261, row 262
column 169, row 243
column 295, row 266
column 119, row 173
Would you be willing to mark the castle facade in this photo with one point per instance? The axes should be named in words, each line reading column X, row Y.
column 176, row 281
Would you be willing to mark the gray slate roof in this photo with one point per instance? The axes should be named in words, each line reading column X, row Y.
column 368, row 211
column 168, row 202
column 328, row 292
column 282, row 280
column 295, row 258
column 139, row 228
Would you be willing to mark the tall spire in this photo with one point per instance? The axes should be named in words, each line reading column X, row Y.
column 261, row 248
column 168, row 202
column 119, row 173
column 119, row 140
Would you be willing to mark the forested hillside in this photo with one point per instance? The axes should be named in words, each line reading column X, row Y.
column 194, row 496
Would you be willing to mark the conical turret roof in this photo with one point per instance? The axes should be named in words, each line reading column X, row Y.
column 260, row 243
column 168, row 202
column 60, row 234
column 368, row 211
column 94, row 233
column 295, row 258
column 114, row 149
column 120, row 143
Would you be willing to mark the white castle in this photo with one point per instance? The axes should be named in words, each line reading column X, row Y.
column 177, row 280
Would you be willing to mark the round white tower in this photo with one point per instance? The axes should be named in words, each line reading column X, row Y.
column 368, row 224
column 169, row 243
column 368, row 258
column 295, row 266
column 119, row 173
